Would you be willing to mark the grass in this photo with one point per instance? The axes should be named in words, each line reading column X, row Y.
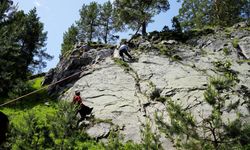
column 226, row 51
column 37, row 82
column 244, row 61
column 41, row 111
column 32, row 100
column 235, row 42
column 122, row 64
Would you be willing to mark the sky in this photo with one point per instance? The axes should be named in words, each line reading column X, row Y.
column 59, row 15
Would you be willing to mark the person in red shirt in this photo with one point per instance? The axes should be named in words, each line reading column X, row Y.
column 83, row 110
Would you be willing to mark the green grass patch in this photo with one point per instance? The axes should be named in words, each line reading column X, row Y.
column 29, row 101
column 226, row 51
column 37, row 82
column 244, row 61
column 235, row 42
column 16, row 116
column 122, row 64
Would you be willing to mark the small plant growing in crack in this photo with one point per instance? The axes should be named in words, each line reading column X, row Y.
column 122, row 64
column 235, row 42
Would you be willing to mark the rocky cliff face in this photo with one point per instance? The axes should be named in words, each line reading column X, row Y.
column 125, row 94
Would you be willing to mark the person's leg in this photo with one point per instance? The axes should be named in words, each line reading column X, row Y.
column 121, row 54
column 126, row 52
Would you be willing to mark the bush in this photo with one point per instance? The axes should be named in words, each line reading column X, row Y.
column 45, row 127
column 20, row 89
column 235, row 42
column 226, row 51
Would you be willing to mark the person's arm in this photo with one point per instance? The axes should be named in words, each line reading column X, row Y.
column 87, row 100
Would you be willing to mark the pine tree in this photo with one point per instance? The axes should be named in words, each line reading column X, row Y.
column 138, row 14
column 199, row 13
column 226, row 12
column 194, row 13
column 106, row 22
column 88, row 22
column 21, row 39
column 69, row 39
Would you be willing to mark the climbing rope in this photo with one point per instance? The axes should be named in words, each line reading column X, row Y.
column 19, row 98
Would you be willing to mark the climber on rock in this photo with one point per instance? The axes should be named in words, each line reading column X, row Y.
column 123, row 49
column 82, row 109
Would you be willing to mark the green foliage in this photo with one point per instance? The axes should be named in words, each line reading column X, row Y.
column 88, row 22
column 36, row 83
column 226, row 51
column 211, row 95
column 198, row 13
column 29, row 101
column 69, row 39
column 46, row 127
column 122, row 64
column 182, row 123
column 22, row 40
column 176, row 25
column 225, row 82
column 222, row 65
column 161, row 99
column 115, row 143
column 106, row 21
column 235, row 42
column 176, row 58
column 211, row 132
column 150, row 140
column 230, row 76
column 164, row 50
column 19, row 89
column 136, row 14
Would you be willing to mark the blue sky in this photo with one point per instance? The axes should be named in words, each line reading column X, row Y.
column 59, row 15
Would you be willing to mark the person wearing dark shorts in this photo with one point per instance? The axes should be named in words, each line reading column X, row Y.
column 124, row 50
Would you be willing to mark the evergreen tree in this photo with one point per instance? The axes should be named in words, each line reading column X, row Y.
column 193, row 13
column 106, row 22
column 211, row 131
column 6, row 10
column 21, row 39
column 69, row 39
column 137, row 14
column 88, row 22
column 199, row 13
column 176, row 25
column 227, row 12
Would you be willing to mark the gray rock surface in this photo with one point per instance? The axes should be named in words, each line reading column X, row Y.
column 100, row 130
column 75, row 63
column 124, row 97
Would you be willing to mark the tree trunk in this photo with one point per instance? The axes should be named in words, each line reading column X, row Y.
column 134, row 34
column 217, row 13
column 91, row 32
column 144, row 29
column 106, row 33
